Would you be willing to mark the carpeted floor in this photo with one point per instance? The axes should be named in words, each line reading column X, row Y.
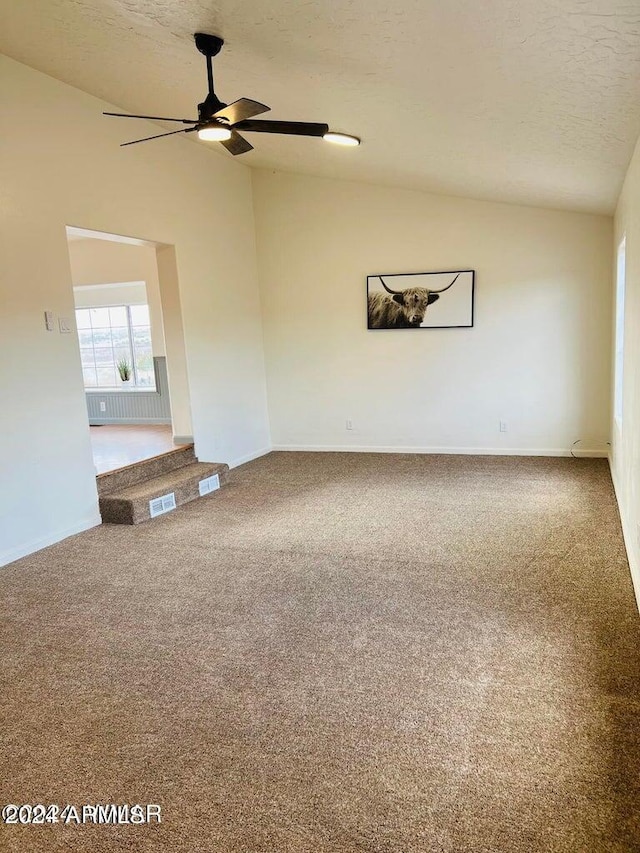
column 336, row 653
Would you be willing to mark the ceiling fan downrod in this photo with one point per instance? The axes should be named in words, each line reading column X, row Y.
column 210, row 46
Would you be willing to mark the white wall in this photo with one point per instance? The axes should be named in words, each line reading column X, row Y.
column 537, row 358
column 625, row 451
column 170, row 191
column 104, row 295
column 95, row 262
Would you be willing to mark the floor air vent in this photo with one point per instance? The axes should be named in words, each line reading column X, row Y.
column 165, row 503
column 210, row 484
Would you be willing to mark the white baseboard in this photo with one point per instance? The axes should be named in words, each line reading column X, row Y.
column 27, row 548
column 594, row 453
column 249, row 457
column 627, row 533
column 183, row 439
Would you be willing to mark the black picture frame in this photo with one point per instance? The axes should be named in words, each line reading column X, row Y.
column 416, row 310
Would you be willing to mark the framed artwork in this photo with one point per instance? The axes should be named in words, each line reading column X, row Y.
column 421, row 300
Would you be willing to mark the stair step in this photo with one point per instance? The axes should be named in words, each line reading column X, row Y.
column 130, row 505
column 114, row 481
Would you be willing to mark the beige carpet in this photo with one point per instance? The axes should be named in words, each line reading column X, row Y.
column 336, row 653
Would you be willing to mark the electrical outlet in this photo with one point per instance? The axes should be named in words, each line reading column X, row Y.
column 349, row 424
column 103, row 406
column 503, row 426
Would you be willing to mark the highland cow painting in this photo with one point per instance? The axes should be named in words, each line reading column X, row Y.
column 427, row 300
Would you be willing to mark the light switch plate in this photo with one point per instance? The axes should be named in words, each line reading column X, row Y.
column 65, row 325
column 49, row 321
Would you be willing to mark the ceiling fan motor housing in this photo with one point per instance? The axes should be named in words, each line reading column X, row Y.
column 209, row 106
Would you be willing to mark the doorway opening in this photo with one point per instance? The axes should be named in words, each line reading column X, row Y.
column 131, row 343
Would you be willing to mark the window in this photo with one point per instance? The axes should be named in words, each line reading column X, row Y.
column 109, row 335
column 619, row 342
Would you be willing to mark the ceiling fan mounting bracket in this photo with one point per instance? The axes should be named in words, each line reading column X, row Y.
column 208, row 45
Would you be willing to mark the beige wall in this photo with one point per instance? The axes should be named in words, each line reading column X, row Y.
column 177, row 370
column 106, row 262
column 171, row 191
column 538, row 357
column 104, row 295
column 625, row 451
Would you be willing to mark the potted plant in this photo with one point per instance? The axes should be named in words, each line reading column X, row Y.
column 124, row 369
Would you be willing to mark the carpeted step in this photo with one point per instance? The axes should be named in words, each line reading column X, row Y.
column 114, row 481
column 131, row 504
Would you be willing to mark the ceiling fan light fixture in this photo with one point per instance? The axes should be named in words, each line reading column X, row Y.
column 341, row 138
column 216, row 133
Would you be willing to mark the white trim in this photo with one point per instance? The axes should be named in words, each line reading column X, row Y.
column 182, row 439
column 13, row 554
column 250, row 457
column 109, row 286
column 132, row 389
column 105, row 421
column 632, row 556
column 596, row 453
column 75, row 233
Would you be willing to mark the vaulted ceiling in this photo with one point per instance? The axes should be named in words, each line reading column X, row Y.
column 531, row 101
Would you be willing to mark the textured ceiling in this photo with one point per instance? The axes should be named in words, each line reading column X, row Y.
column 532, row 101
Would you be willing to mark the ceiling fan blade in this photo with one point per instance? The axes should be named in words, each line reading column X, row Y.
column 237, row 144
column 297, row 128
column 240, row 110
column 157, row 136
column 154, row 118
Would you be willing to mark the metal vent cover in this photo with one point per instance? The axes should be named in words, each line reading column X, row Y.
column 209, row 484
column 165, row 503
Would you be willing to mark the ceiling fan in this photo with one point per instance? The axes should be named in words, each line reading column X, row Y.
column 220, row 122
